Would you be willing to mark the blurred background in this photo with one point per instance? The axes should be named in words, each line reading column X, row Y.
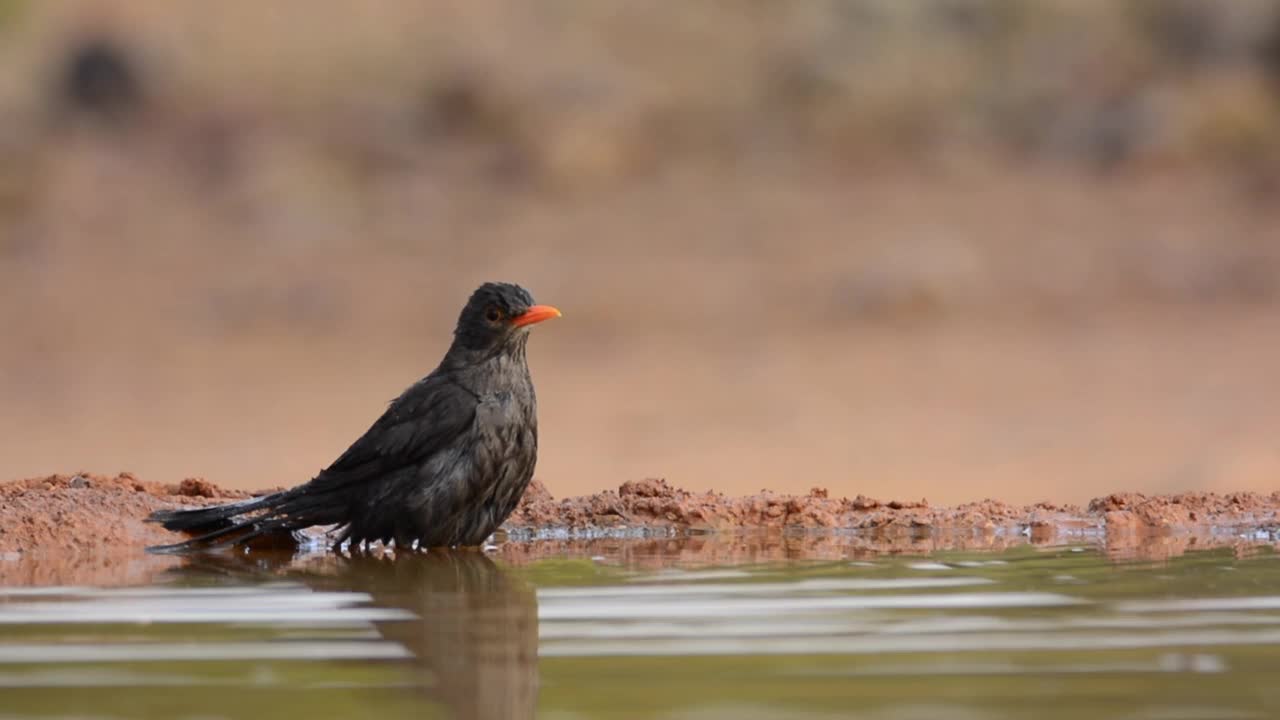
column 950, row 249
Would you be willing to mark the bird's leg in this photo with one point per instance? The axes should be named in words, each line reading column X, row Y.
column 405, row 541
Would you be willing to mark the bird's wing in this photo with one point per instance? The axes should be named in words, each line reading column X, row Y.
column 424, row 419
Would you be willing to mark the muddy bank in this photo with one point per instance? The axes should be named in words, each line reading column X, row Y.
column 81, row 511
column 656, row 504
column 91, row 529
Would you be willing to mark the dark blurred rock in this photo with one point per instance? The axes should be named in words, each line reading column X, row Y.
column 465, row 104
column 100, row 79
column 1269, row 52
column 1187, row 32
column 480, row 126
column 1115, row 128
column 979, row 20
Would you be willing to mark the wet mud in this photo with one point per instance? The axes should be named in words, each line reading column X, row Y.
column 655, row 503
column 78, row 528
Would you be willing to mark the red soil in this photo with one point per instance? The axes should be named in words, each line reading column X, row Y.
column 86, row 511
column 87, row 528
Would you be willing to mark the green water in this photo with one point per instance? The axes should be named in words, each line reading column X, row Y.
column 654, row 629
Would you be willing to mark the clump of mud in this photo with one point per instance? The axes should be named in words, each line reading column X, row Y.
column 654, row 503
column 1136, row 510
column 60, row 513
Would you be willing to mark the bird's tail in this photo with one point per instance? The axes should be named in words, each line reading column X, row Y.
column 240, row 522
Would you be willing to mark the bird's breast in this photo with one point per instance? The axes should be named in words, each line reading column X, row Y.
column 500, row 408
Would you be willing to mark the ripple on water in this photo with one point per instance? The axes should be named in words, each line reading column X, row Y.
column 479, row 634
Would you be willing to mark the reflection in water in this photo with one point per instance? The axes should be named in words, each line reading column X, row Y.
column 475, row 638
column 958, row 634
column 112, row 565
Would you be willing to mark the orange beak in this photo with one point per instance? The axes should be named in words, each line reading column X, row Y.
column 535, row 314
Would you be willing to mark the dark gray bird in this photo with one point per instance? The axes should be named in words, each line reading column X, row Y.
column 445, row 464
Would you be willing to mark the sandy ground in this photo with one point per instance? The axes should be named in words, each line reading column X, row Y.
column 1025, row 335
column 92, row 528
column 795, row 246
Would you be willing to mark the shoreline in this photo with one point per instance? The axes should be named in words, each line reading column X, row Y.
column 70, row 512
column 86, row 529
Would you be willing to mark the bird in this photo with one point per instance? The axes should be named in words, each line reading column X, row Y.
column 443, row 466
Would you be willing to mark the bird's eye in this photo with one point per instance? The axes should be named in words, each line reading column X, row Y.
column 493, row 314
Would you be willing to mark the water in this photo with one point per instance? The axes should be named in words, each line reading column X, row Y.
column 691, row 628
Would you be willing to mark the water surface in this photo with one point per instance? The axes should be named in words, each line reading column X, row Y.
column 678, row 628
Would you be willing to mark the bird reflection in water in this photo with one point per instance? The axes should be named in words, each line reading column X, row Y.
column 475, row 636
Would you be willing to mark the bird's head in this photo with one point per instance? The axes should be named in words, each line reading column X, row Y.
column 497, row 317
